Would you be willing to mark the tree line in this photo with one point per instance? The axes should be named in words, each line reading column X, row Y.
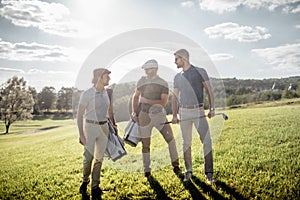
column 256, row 91
column 19, row 101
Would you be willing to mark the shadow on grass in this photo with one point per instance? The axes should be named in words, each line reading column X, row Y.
column 230, row 190
column 160, row 193
column 41, row 117
column 207, row 189
column 41, row 129
column 215, row 195
column 56, row 116
column 193, row 190
column 61, row 117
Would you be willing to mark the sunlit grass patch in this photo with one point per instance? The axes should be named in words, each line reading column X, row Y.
column 255, row 157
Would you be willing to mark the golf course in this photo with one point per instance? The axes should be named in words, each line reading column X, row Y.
column 256, row 156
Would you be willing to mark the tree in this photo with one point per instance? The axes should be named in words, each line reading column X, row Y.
column 288, row 94
column 34, row 94
column 64, row 100
column 122, row 108
column 243, row 90
column 16, row 101
column 47, row 98
column 298, row 89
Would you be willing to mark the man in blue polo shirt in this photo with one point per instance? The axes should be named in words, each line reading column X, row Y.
column 188, row 97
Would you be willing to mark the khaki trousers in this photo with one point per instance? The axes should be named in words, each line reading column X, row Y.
column 154, row 119
column 188, row 118
column 97, row 139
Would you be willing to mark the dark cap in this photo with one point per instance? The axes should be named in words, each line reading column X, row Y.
column 99, row 72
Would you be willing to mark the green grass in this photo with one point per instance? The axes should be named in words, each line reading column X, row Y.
column 257, row 156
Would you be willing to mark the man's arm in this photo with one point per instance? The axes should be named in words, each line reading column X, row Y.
column 175, row 105
column 111, row 114
column 80, row 113
column 211, row 101
column 162, row 101
column 110, row 110
column 111, row 118
column 135, row 104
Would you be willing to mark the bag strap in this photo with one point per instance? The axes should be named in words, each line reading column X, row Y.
column 109, row 93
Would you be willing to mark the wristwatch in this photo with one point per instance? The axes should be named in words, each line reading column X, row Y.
column 212, row 109
column 133, row 114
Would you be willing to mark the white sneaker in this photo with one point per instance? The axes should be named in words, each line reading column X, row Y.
column 209, row 178
column 188, row 176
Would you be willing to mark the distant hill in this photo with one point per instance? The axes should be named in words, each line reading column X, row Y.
column 227, row 92
column 261, row 85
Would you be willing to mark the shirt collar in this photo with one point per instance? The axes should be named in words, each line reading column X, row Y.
column 97, row 91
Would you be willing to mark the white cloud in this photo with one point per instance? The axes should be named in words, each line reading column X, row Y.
column 32, row 52
column 53, row 18
column 5, row 69
column 59, row 72
column 220, row 56
column 218, row 6
column 233, row 31
column 39, row 78
column 187, row 4
column 291, row 9
column 221, row 6
column 285, row 58
column 35, row 71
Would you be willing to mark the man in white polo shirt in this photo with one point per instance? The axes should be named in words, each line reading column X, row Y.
column 95, row 107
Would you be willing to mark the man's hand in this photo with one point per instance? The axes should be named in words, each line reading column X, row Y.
column 175, row 120
column 82, row 140
column 211, row 114
column 134, row 117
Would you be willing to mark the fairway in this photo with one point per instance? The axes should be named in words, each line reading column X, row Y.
column 257, row 156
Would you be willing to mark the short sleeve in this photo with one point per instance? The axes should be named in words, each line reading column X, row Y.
column 140, row 83
column 203, row 74
column 176, row 81
column 83, row 99
column 165, row 88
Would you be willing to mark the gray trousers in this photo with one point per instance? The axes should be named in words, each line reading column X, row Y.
column 149, row 120
column 188, row 118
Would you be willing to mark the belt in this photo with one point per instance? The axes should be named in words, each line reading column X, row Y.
column 96, row 122
column 153, row 112
column 192, row 106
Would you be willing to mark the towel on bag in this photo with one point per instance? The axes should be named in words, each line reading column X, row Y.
column 115, row 146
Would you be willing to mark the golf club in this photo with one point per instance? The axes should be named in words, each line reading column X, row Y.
column 225, row 117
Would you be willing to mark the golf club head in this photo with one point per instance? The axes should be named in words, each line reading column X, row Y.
column 225, row 117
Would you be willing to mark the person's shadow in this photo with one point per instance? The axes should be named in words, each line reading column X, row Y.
column 232, row 191
column 193, row 190
column 215, row 195
column 155, row 185
column 196, row 193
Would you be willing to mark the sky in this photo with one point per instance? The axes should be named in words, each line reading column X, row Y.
column 49, row 42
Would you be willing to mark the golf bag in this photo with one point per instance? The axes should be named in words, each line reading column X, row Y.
column 132, row 133
column 115, row 146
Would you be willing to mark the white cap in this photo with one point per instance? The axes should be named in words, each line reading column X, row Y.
column 150, row 64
